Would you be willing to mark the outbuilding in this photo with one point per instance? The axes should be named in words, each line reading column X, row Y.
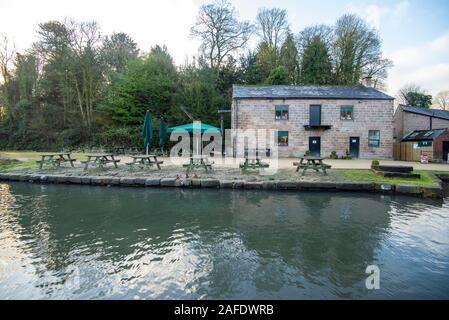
column 435, row 143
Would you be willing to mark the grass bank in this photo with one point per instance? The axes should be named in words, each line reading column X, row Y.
column 7, row 165
column 426, row 179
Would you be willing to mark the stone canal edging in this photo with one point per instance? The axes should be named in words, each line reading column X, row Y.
column 435, row 191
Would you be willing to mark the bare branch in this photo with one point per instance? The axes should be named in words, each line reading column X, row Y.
column 221, row 33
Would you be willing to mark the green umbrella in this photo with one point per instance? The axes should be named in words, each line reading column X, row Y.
column 162, row 133
column 190, row 127
column 147, row 131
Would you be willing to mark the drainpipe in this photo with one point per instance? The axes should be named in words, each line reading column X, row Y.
column 431, row 125
column 236, row 121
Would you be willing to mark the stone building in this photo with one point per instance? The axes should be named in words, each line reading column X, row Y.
column 321, row 119
column 435, row 143
column 408, row 119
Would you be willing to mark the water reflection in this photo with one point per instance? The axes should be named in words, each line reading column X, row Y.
column 156, row 243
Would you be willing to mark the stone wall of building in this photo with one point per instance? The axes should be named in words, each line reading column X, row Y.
column 440, row 123
column 413, row 121
column 406, row 122
column 438, row 145
column 368, row 115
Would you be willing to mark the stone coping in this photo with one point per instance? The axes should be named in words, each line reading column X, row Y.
column 434, row 191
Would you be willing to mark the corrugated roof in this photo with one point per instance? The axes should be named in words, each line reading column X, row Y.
column 442, row 114
column 309, row 92
column 423, row 135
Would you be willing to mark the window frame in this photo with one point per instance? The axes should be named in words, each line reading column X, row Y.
column 375, row 139
column 282, row 108
column 315, row 121
column 278, row 136
column 342, row 107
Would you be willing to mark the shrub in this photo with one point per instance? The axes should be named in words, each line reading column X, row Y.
column 347, row 155
column 119, row 136
column 333, row 155
column 307, row 153
column 375, row 163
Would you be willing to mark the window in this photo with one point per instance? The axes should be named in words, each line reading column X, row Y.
column 374, row 138
column 282, row 138
column 281, row 112
column 347, row 112
column 422, row 144
column 315, row 115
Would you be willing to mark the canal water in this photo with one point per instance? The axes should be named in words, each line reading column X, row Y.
column 78, row 242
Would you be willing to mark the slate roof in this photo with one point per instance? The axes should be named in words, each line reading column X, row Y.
column 308, row 92
column 423, row 135
column 436, row 113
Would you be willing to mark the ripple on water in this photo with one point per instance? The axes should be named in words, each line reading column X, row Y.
column 69, row 242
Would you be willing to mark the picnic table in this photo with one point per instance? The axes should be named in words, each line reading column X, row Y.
column 252, row 160
column 118, row 150
column 100, row 160
column 198, row 161
column 308, row 162
column 55, row 159
column 145, row 161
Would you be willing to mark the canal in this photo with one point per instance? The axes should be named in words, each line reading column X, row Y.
column 78, row 242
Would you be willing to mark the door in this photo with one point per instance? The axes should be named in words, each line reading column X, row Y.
column 445, row 150
column 315, row 146
column 315, row 115
column 354, row 146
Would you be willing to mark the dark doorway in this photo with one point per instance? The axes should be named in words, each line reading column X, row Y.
column 315, row 146
column 445, row 150
column 315, row 115
column 354, row 146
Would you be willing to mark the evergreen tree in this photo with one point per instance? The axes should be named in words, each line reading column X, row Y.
column 316, row 68
column 289, row 59
column 278, row 76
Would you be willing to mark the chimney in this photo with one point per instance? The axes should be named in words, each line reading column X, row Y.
column 368, row 82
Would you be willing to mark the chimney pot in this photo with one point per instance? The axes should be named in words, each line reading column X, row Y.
column 368, row 82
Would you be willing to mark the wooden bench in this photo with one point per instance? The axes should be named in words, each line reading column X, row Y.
column 254, row 165
column 314, row 163
column 302, row 166
column 198, row 162
column 55, row 160
column 100, row 160
column 145, row 162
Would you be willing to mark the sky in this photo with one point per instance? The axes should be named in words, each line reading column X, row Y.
column 415, row 33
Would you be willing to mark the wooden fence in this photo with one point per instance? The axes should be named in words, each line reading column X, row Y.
column 405, row 151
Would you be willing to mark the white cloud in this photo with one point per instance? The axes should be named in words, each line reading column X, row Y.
column 400, row 10
column 374, row 14
column 149, row 22
column 426, row 65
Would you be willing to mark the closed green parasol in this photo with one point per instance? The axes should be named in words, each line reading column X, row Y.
column 162, row 133
column 147, row 131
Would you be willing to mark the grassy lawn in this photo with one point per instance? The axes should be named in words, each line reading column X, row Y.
column 14, row 164
column 367, row 175
column 22, row 155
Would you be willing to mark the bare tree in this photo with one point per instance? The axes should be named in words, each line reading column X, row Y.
column 410, row 87
column 7, row 53
column 378, row 71
column 414, row 95
column 356, row 46
column 272, row 26
column 220, row 31
column 442, row 99
column 321, row 31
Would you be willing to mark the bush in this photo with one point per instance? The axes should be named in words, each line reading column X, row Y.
column 307, row 153
column 130, row 136
column 347, row 155
column 375, row 163
column 333, row 155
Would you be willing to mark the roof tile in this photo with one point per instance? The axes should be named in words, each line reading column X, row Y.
column 313, row 92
